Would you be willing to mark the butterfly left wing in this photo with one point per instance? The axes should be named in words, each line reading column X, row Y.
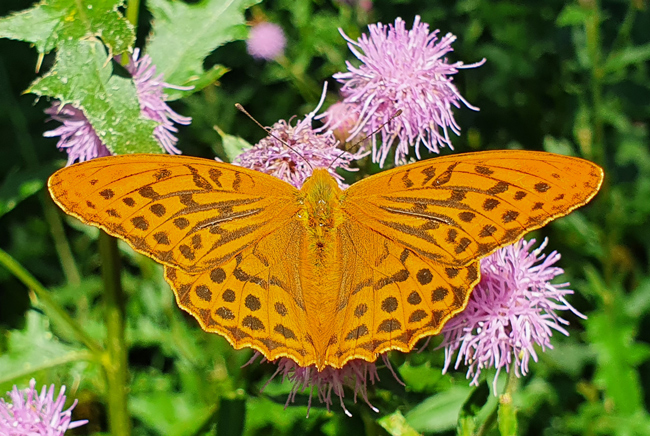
column 456, row 209
column 254, row 300
column 185, row 212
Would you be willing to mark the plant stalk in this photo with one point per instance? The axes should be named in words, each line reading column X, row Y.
column 115, row 361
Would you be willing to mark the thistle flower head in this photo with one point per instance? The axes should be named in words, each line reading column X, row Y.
column 355, row 375
column 340, row 118
column 403, row 70
column 78, row 137
column 266, row 41
column 307, row 149
column 510, row 311
column 26, row 413
column 152, row 100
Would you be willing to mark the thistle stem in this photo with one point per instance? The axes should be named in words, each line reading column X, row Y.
column 115, row 361
column 491, row 419
column 132, row 11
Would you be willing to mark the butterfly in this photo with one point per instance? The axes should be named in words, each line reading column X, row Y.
column 322, row 275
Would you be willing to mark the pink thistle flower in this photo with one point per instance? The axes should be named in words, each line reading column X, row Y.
column 266, row 41
column 78, row 137
column 512, row 309
column 152, row 100
column 29, row 414
column 355, row 375
column 309, row 149
column 407, row 71
column 340, row 118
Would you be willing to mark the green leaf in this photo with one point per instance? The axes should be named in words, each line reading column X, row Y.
column 210, row 76
column 573, row 15
column 558, row 146
column 169, row 413
column 476, row 401
column 628, row 56
column 52, row 22
column 396, row 425
column 34, row 349
column 467, row 418
column 439, row 412
column 612, row 334
column 507, row 416
column 21, row 185
column 422, row 378
column 233, row 146
column 82, row 76
column 232, row 415
column 184, row 34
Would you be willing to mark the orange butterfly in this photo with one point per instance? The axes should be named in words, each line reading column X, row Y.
column 323, row 275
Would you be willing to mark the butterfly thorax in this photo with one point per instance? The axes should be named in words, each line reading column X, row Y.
column 320, row 198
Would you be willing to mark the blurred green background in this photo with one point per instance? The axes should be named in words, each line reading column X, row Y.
column 568, row 77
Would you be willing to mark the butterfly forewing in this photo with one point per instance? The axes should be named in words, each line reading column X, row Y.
column 456, row 209
column 184, row 212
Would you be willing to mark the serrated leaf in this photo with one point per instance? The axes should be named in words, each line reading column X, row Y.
column 233, row 146
column 52, row 22
column 396, row 425
column 183, row 35
column 82, row 76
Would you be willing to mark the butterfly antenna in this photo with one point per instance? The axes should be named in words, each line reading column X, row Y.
column 270, row 133
column 395, row 115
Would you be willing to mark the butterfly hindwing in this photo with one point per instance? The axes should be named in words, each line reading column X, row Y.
column 185, row 212
column 255, row 299
column 390, row 297
column 459, row 208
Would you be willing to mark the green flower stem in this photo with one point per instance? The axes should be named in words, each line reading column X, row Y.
column 53, row 310
column 508, row 390
column 61, row 244
column 611, row 235
column 115, row 362
column 489, row 422
column 592, row 31
column 132, row 11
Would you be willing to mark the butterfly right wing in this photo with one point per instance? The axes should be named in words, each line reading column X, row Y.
column 389, row 296
column 185, row 212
